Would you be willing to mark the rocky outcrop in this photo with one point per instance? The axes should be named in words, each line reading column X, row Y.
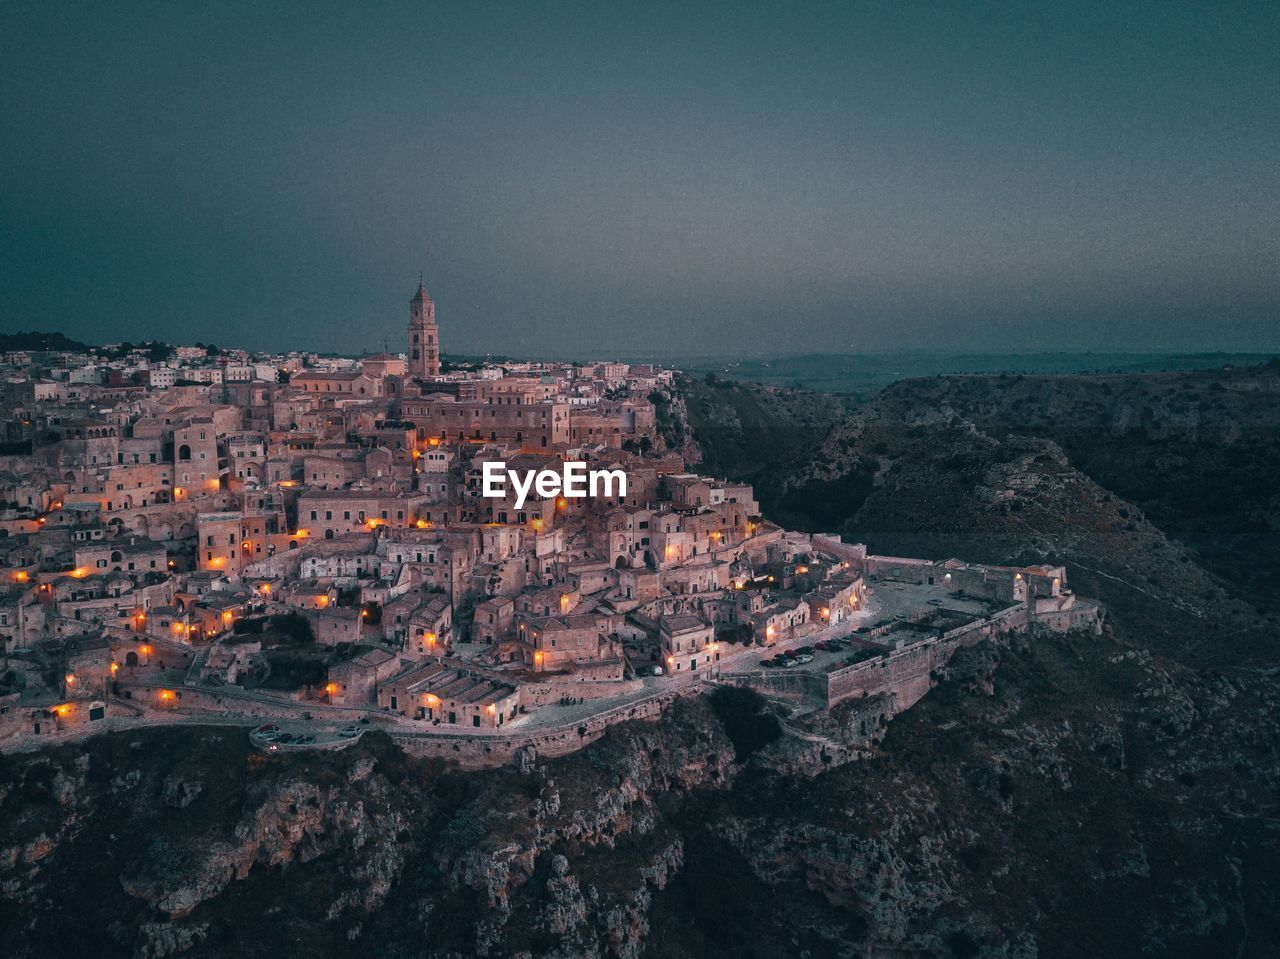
column 294, row 821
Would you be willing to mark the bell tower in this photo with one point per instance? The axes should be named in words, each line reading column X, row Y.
column 424, row 335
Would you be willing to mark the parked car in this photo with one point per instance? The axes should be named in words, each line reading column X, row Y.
column 825, row 645
column 804, row 649
column 804, row 658
column 786, row 661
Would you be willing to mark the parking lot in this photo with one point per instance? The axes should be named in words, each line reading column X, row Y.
column 892, row 610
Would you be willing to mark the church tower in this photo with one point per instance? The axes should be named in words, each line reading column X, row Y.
column 424, row 335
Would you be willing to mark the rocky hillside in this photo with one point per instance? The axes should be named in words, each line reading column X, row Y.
column 1197, row 451
column 1067, row 797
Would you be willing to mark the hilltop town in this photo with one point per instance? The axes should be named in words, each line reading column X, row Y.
column 303, row 545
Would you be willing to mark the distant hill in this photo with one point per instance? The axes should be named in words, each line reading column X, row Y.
column 157, row 350
column 42, row 341
column 863, row 373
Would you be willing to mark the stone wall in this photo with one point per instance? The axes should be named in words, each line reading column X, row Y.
column 535, row 694
column 497, row 749
column 907, row 673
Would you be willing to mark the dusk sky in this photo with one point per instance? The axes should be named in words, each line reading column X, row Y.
column 584, row 180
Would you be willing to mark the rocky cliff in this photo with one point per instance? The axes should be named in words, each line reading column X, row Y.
column 1060, row 796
